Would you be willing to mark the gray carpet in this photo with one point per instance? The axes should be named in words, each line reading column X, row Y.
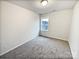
column 41, row 48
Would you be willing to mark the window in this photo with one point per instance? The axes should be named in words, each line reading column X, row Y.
column 44, row 24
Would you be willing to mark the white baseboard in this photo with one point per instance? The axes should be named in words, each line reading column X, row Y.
column 14, row 48
column 71, row 50
column 54, row 37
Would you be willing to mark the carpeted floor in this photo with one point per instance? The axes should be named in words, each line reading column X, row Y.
column 41, row 48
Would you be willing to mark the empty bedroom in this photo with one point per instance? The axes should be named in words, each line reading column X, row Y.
column 39, row 29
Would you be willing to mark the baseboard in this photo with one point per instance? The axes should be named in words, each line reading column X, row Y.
column 14, row 48
column 54, row 38
column 71, row 50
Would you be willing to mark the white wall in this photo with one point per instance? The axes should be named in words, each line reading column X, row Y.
column 59, row 24
column 74, row 33
column 0, row 27
column 18, row 25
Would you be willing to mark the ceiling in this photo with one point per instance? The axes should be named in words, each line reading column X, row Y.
column 53, row 5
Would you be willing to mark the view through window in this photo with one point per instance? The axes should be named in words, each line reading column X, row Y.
column 44, row 24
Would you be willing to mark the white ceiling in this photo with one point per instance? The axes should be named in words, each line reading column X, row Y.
column 53, row 5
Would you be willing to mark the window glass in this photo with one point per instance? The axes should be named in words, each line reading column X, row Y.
column 44, row 24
